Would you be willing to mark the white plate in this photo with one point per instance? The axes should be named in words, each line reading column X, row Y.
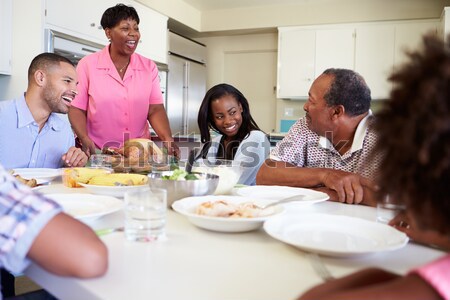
column 335, row 235
column 187, row 207
column 115, row 191
column 86, row 207
column 41, row 175
column 275, row 192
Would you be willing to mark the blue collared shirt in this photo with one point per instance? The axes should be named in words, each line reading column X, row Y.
column 21, row 143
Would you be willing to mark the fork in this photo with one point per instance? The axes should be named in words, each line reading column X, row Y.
column 319, row 267
column 284, row 200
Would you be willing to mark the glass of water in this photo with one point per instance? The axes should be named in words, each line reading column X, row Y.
column 145, row 214
column 387, row 209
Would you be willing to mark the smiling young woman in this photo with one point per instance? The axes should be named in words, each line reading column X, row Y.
column 226, row 111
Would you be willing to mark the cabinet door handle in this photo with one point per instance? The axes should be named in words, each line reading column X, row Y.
column 92, row 24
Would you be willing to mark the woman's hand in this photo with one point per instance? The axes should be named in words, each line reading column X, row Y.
column 172, row 149
column 88, row 146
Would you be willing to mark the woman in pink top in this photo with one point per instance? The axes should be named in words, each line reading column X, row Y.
column 414, row 136
column 118, row 89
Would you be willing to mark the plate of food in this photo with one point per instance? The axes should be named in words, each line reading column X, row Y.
column 86, row 207
column 40, row 174
column 115, row 184
column 226, row 213
column 335, row 235
column 276, row 193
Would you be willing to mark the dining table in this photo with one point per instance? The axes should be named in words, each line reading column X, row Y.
column 194, row 263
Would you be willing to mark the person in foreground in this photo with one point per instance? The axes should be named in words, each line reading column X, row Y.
column 33, row 228
column 32, row 135
column 226, row 111
column 414, row 136
column 328, row 149
column 119, row 89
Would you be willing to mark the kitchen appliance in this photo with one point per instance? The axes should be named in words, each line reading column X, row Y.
column 68, row 46
column 186, row 84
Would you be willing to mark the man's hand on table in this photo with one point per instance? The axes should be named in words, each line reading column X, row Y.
column 75, row 157
column 349, row 187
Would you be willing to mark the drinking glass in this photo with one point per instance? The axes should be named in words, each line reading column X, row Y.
column 100, row 161
column 145, row 214
column 387, row 209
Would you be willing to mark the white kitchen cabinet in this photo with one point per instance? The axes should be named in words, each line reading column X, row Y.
column 444, row 23
column 153, row 28
column 296, row 57
column 374, row 57
column 335, row 48
column 79, row 18
column 303, row 54
column 6, row 35
column 408, row 36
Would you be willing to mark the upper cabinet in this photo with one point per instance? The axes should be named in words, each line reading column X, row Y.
column 153, row 28
column 78, row 18
column 371, row 49
column 305, row 53
column 374, row 57
column 83, row 21
column 6, row 34
column 296, row 56
column 408, row 37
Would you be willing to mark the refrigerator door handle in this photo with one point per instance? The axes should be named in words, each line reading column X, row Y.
column 185, row 99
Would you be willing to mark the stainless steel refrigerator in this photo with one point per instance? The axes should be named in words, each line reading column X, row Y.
column 186, row 83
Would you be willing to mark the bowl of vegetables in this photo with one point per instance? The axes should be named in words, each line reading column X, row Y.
column 180, row 184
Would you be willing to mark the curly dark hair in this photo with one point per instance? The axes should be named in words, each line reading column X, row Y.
column 350, row 90
column 206, row 122
column 414, row 136
column 113, row 15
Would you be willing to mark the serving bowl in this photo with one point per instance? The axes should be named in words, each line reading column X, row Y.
column 229, row 172
column 178, row 189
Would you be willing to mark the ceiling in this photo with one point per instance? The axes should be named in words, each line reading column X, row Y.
column 211, row 5
column 205, row 5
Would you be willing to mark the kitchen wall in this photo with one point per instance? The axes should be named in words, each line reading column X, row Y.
column 27, row 42
column 223, row 36
column 224, row 31
column 307, row 13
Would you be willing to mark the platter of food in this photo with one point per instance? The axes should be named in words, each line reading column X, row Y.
column 40, row 174
column 226, row 213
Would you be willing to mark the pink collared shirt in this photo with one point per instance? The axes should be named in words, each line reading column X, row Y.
column 117, row 109
column 437, row 275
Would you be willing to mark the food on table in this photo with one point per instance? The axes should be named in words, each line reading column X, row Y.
column 72, row 176
column 118, row 179
column 30, row 182
column 179, row 174
column 224, row 209
column 137, row 151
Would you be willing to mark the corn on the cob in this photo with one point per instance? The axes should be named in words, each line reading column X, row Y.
column 72, row 176
column 118, row 179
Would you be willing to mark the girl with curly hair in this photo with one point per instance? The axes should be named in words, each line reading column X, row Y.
column 414, row 138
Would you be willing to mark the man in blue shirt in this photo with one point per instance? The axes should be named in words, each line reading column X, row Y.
column 32, row 135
